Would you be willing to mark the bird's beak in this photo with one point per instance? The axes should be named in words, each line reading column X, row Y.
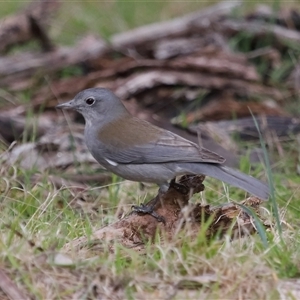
column 67, row 105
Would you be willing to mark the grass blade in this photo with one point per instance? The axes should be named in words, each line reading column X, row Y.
column 259, row 226
column 270, row 177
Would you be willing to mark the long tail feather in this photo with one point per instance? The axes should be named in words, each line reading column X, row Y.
column 230, row 176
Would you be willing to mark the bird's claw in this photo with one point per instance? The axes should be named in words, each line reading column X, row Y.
column 149, row 210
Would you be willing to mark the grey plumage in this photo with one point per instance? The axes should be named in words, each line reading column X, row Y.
column 137, row 150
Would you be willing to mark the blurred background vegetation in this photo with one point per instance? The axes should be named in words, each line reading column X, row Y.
column 105, row 18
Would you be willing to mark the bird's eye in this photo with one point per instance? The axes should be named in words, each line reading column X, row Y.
column 90, row 101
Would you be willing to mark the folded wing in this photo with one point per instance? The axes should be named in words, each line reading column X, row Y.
column 152, row 145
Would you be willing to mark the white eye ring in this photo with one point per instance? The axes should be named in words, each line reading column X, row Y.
column 90, row 101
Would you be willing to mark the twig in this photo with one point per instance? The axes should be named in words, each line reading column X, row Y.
column 10, row 288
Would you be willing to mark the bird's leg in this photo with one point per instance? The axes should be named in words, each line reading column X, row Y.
column 148, row 208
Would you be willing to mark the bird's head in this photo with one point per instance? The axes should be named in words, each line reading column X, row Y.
column 96, row 104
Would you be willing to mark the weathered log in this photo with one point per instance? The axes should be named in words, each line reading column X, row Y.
column 136, row 229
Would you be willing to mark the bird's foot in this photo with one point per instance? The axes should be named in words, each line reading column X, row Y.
column 149, row 210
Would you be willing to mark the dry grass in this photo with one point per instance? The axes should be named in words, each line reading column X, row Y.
column 186, row 267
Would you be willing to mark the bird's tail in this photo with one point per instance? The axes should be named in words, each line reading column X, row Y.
column 230, row 176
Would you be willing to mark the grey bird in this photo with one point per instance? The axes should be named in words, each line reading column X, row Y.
column 139, row 151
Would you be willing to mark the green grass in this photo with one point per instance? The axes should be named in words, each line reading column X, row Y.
column 51, row 218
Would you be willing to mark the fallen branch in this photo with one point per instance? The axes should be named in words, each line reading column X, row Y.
column 27, row 64
column 225, row 105
column 173, row 28
column 142, row 81
column 27, row 25
column 261, row 30
column 283, row 126
column 209, row 63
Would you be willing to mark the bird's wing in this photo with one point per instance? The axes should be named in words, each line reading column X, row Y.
column 154, row 145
